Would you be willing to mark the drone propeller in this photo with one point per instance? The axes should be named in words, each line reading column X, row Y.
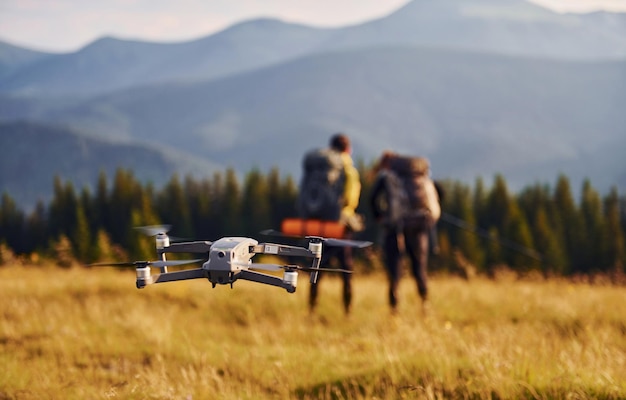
column 274, row 232
column 276, row 267
column 327, row 241
column 143, row 264
column 153, row 230
column 345, row 242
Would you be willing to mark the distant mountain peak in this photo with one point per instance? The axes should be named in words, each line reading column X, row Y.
column 485, row 8
column 106, row 40
column 265, row 24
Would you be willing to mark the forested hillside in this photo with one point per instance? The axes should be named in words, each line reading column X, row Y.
column 484, row 227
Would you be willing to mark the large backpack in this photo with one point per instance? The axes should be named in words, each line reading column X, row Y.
column 391, row 202
column 322, row 185
column 420, row 190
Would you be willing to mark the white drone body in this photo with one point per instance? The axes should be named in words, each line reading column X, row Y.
column 230, row 259
column 230, row 254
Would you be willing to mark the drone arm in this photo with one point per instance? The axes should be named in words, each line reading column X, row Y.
column 143, row 281
column 314, row 251
column 281, row 250
column 266, row 279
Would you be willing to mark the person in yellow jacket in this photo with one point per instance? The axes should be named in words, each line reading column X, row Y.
column 354, row 223
column 352, row 187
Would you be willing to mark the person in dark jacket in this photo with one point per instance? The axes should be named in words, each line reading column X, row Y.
column 405, row 230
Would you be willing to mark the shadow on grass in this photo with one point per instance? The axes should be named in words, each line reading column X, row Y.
column 428, row 386
column 383, row 386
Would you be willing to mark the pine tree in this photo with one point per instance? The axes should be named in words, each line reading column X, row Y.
column 498, row 205
column 198, row 194
column 37, row 229
column 288, row 197
column 547, row 245
column 81, row 237
column 534, row 198
column 104, row 250
column 63, row 208
column 139, row 246
column 569, row 223
column 496, row 218
column 231, row 215
column 102, row 204
column 534, row 203
column 593, row 244
column 86, row 201
column 464, row 239
column 12, row 224
column 255, row 204
column 494, row 251
column 479, row 201
column 521, row 254
column 63, row 251
column 216, row 212
column 616, row 248
column 173, row 208
column 125, row 197
column 282, row 197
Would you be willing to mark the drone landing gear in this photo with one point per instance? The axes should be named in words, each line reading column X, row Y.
column 144, row 278
column 289, row 281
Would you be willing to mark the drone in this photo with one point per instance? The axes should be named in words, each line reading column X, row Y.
column 230, row 259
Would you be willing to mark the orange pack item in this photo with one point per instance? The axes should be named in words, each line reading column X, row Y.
column 312, row 227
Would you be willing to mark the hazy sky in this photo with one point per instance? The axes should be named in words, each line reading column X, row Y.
column 66, row 25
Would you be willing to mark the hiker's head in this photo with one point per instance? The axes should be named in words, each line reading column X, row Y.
column 340, row 142
column 383, row 163
column 385, row 160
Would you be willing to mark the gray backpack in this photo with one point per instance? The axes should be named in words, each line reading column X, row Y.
column 413, row 173
column 392, row 201
column 322, row 185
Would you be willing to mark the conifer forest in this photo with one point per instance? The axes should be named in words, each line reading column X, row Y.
column 543, row 228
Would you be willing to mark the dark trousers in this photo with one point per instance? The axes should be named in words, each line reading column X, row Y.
column 415, row 244
column 344, row 257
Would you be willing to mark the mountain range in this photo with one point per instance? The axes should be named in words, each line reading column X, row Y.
column 480, row 87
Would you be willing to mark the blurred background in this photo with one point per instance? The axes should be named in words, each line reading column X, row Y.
column 511, row 92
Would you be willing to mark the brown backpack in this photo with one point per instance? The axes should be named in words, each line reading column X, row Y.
column 413, row 172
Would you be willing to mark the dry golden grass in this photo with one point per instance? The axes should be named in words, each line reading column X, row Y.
column 89, row 334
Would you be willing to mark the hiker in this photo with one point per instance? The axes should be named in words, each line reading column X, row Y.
column 405, row 203
column 330, row 191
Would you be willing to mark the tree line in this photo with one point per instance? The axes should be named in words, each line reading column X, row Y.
column 541, row 228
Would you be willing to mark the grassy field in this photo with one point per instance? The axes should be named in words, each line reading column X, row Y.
column 89, row 334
